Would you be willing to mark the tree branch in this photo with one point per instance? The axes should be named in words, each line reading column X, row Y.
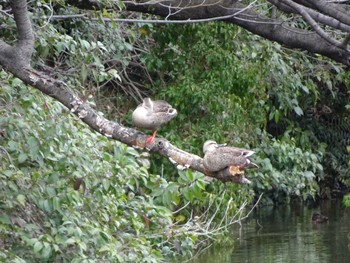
column 60, row 91
column 235, row 12
column 19, row 67
column 331, row 10
column 25, row 42
column 314, row 25
column 326, row 20
column 253, row 21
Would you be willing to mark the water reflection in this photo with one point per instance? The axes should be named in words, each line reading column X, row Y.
column 287, row 234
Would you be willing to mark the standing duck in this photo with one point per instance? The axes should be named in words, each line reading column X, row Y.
column 227, row 161
column 151, row 115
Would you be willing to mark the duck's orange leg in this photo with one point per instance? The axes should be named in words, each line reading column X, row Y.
column 151, row 138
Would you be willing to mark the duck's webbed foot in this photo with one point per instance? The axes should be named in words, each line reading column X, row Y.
column 150, row 139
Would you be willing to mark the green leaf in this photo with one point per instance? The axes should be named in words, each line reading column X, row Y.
column 157, row 192
column 105, row 248
column 298, row 111
column 22, row 157
column 85, row 44
column 38, row 246
column 277, row 116
column 8, row 173
column 56, row 248
column 70, row 241
column 51, row 191
column 309, row 175
column 5, row 219
column 83, row 72
column 33, row 146
column 201, row 184
column 172, row 187
column 56, row 203
column 106, row 184
column 21, row 199
column 16, row 82
column 46, row 251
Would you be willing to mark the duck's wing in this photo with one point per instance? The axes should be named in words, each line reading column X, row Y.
column 234, row 151
column 161, row 106
column 223, row 157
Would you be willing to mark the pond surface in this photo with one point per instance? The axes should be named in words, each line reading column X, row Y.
column 287, row 234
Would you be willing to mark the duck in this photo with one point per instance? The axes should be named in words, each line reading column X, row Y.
column 151, row 115
column 319, row 218
column 226, row 160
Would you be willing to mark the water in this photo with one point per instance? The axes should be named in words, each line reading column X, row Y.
column 287, row 234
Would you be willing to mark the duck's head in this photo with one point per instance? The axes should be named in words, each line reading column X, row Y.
column 209, row 145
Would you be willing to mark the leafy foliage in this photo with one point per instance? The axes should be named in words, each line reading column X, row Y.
column 231, row 86
column 67, row 194
column 71, row 195
column 286, row 170
column 99, row 59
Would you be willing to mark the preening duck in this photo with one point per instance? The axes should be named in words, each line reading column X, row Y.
column 151, row 115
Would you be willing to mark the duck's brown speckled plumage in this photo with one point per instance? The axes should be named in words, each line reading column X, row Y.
column 228, row 162
column 217, row 157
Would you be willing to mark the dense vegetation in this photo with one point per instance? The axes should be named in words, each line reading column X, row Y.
column 68, row 194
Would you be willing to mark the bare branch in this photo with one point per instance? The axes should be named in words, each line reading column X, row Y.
column 331, row 10
column 68, row 17
column 300, row 9
column 255, row 22
column 346, row 40
column 326, row 20
column 6, row 13
column 236, row 12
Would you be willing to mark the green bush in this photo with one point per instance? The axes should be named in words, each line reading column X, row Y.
column 70, row 194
